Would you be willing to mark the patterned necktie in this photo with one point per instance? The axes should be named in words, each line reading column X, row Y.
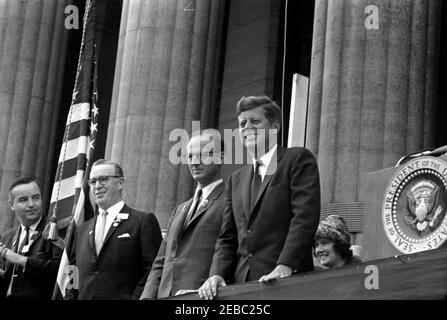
column 99, row 235
column 193, row 208
column 255, row 184
column 25, row 241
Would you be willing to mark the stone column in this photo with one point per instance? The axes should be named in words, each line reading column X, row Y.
column 32, row 58
column 165, row 78
column 372, row 92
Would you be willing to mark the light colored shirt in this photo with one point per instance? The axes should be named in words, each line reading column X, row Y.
column 206, row 191
column 32, row 228
column 112, row 212
column 265, row 161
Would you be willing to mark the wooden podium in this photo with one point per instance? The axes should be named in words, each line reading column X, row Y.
column 417, row 178
column 375, row 242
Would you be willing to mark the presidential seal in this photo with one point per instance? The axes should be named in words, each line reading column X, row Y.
column 414, row 210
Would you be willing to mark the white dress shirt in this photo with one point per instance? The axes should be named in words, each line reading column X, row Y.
column 264, row 162
column 32, row 228
column 206, row 191
column 112, row 212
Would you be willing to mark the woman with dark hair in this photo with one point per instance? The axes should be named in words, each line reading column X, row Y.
column 332, row 245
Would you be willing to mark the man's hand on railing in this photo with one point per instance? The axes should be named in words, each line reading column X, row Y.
column 280, row 271
column 184, row 291
column 209, row 289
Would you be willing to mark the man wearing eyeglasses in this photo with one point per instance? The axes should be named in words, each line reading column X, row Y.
column 185, row 255
column 116, row 249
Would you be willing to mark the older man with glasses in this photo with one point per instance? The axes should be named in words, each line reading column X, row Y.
column 116, row 249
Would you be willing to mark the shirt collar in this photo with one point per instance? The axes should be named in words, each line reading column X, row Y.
column 31, row 227
column 266, row 158
column 206, row 191
column 113, row 210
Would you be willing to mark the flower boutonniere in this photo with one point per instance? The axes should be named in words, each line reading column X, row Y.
column 33, row 238
column 119, row 218
column 203, row 203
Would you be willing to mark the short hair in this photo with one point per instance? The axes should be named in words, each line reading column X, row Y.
column 19, row 181
column 118, row 169
column 334, row 229
column 271, row 109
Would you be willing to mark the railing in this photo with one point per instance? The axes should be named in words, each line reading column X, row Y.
column 417, row 276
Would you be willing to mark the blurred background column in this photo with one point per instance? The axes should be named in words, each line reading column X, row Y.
column 372, row 92
column 32, row 58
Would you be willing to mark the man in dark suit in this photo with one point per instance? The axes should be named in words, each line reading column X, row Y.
column 29, row 262
column 272, row 207
column 184, row 259
column 116, row 249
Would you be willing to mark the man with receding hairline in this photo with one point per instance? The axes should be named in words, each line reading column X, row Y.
column 30, row 262
column 114, row 250
column 184, row 258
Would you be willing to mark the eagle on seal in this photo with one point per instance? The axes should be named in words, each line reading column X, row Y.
column 421, row 209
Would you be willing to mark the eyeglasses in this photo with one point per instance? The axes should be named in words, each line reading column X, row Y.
column 102, row 180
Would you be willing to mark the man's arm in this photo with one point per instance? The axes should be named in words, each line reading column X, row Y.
column 150, row 239
column 225, row 254
column 45, row 263
column 305, row 205
column 150, row 290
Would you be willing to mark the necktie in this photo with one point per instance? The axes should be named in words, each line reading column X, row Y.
column 25, row 241
column 255, row 184
column 194, row 205
column 99, row 235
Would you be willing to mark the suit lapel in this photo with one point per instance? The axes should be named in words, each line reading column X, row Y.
column 180, row 217
column 91, row 235
column 273, row 165
column 206, row 203
column 115, row 225
column 245, row 181
column 16, row 238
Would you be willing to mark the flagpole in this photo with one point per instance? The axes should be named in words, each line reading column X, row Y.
column 70, row 193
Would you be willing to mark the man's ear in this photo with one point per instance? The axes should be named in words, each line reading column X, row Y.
column 277, row 125
column 121, row 183
column 11, row 204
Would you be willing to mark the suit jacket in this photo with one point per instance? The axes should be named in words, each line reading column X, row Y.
column 125, row 259
column 185, row 255
column 280, row 227
column 38, row 279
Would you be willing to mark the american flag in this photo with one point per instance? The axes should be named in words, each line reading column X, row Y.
column 70, row 203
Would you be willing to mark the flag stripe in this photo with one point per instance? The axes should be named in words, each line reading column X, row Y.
column 64, row 207
column 62, row 279
column 65, row 188
column 73, row 148
column 79, row 111
column 71, row 167
column 77, row 129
